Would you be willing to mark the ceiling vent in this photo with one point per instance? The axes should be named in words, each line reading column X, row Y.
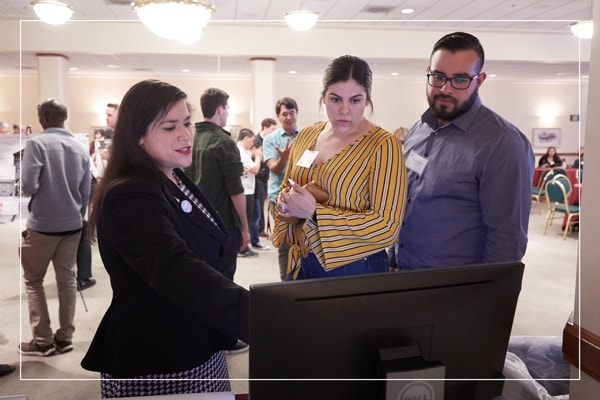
column 118, row 2
column 378, row 9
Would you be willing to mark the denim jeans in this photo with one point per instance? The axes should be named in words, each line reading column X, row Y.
column 311, row 268
column 253, row 224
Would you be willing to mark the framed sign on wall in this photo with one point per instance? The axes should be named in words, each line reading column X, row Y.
column 546, row 137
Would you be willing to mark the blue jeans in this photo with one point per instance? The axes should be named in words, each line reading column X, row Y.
column 311, row 268
column 253, row 225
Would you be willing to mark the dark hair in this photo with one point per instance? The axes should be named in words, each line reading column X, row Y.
column 457, row 41
column 143, row 104
column 113, row 105
column 286, row 102
column 211, row 99
column 53, row 113
column 344, row 68
column 267, row 122
column 556, row 157
column 244, row 133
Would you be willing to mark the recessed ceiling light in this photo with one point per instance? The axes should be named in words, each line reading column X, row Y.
column 73, row 69
column 490, row 75
column 407, row 10
column 292, row 72
column 395, row 74
column 186, row 70
column 113, row 66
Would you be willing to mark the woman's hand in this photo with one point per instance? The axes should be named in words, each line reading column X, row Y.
column 295, row 201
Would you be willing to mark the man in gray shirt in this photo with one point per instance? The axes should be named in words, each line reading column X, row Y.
column 55, row 172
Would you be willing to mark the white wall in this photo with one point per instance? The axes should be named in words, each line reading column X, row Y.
column 396, row 103
column 583, row 386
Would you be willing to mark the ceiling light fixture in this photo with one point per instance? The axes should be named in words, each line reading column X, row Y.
column 301, row 20
column 52, row 12
column 583, row 29
column 181, row 20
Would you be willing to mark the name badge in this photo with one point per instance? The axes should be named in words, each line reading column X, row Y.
column 416, row 162
column 307, row 158
column 186, row 206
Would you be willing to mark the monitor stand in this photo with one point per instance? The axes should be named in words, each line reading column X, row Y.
column 409, row 376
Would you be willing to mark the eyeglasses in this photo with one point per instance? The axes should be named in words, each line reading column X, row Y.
column 457, row 82
column 290, row 113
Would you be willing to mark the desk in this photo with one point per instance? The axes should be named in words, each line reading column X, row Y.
column 192, row 396
column 573, row 200
column 574, row 195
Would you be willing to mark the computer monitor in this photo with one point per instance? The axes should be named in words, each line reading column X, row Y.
column 321, row 338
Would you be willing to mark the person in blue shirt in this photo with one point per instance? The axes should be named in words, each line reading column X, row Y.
column 579, row 162
column 469, row 170
column 276, row 150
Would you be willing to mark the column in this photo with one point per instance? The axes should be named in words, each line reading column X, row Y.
column 263, row 91
column 52, row 77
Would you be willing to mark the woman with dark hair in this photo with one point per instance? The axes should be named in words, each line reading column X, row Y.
column 551, row 159
column 173, row 312
column 354, row 179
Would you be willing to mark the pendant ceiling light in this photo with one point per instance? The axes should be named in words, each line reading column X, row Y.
column 301, row 20
column 583, row 29
column 181, row 20
column 52, row 12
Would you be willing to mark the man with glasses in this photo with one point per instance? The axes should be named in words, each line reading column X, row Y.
column 276, row 150
column 469, row 170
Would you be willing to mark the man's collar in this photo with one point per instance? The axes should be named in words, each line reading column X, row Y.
column 199, row 125
column 463, row 122
column 283, row 132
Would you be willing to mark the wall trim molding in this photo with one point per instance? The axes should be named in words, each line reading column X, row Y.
column 578, row 342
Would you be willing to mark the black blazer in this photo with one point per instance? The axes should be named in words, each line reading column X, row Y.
column 172, row 308
column 555, row 162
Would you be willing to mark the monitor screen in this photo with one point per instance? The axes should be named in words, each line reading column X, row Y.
column 323, row 338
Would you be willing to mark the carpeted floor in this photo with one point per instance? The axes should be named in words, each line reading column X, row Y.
column 545, row 303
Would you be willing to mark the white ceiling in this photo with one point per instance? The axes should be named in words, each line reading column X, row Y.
column 544, row 16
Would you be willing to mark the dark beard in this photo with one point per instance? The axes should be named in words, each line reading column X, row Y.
column 449, row 116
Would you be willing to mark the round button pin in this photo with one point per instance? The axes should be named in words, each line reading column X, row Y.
column 186, row 206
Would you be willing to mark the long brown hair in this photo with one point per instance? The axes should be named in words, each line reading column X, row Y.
column 144, row 103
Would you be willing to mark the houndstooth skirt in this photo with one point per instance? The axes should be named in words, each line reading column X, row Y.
column 212, row 376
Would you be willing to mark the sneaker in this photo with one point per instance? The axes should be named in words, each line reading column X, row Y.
column 85, row 284
column 6, row 369
column 260, row 246
column 34, row 349
column 63, row 346
column 247, row 253
column 239, row 347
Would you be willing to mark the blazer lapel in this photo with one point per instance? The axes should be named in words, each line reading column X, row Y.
column 187, row 208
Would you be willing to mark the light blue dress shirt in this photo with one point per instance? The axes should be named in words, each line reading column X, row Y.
column 277, row 138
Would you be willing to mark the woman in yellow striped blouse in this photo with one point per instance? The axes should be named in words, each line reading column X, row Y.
column 360, row 166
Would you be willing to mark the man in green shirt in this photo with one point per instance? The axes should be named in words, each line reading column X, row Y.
column 217, row 169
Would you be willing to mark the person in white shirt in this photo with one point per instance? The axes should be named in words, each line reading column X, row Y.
column 251, row 157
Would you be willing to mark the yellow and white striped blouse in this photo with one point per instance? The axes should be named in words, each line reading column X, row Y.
column 366, row 182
